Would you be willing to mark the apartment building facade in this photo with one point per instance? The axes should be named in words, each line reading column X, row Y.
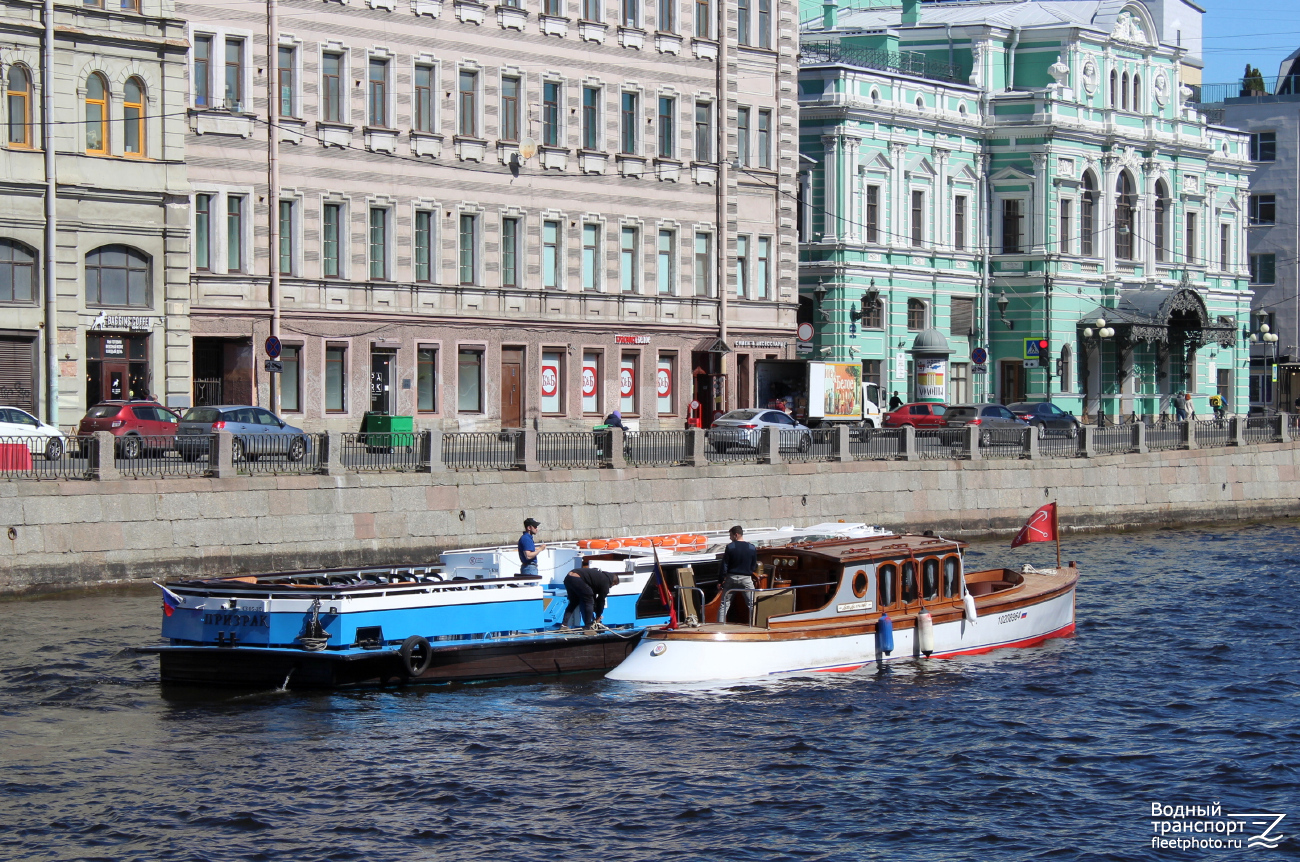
column 491, row 216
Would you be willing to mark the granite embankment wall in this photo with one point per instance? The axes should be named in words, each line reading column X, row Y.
column 76, row 532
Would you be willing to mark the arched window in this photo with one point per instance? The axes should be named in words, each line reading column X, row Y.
column 1123, row 91
column 19, row 103
column 1087, row 215
column 915, row 315
column 1124, row 223
column 133, row 118
column 17, row 272
column 1114, row 88
column 1067, row 369
column 96, row 114
column 1162, row 219
column 117, row 275
column 1137, row 92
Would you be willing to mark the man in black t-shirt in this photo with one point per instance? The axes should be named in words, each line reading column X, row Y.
column 739, row 562
column 587, row 589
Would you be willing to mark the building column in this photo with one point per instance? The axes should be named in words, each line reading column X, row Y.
column 1038, row 218
column 850, row 224
column 830, row 188
column 939, row 230
column 898, row 226
column 1104, row 224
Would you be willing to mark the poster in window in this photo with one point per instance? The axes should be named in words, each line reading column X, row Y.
column 551, row 383
column 664, row 385
column 627, row 385
column 590, row 383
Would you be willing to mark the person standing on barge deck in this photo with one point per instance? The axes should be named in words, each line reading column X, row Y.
column 739, row 562
column 528, row 549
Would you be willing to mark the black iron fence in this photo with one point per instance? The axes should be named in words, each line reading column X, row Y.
column 800, row 446
column 1262, row 429
column 942, row 444
column 1115, row 439
column 876, row 444
column 44, row 457
column 1212, row 432
column 727, row 445
column 657, row 448
column 573, row 449
column 1166, row 435
column 1060, row 444
column 142, row 456
column 483, row 450
column 1010, row 443
column 280, row 453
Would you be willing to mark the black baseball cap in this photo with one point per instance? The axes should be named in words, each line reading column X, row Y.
column 531, row 522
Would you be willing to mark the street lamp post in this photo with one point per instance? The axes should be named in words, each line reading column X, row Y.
column 1102, row 332
column 1267, row 337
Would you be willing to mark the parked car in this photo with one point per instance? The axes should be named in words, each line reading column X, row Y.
column 41, row 439
column 1046, row 418
column 918, row 415
column 141, row 427
column 997, row 424
column 257, row 432
column 744, row 428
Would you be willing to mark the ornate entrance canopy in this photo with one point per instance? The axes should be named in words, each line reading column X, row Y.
column 1163, row 316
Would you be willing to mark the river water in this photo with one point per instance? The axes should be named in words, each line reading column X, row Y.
column 1181, row 687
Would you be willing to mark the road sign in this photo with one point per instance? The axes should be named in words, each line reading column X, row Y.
column 273, row 366
column 805, row 332
column 979, row 356
column 273, row 347
column 1031, row 348
column 980, row 369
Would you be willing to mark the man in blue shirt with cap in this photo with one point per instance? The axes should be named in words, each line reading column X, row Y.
column 528, row 550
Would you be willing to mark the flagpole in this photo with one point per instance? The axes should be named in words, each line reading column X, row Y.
column 1056, row 528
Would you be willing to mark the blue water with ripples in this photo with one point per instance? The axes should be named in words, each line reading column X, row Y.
column 1181, row 686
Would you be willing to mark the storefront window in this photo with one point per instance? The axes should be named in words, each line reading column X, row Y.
column 591, row 383
column 336, row 356
column 552, row 382
column 291, row 379
column 627, row 380
column 665, row 385
column 426, row 376
column 117, row 367
column 469, row 381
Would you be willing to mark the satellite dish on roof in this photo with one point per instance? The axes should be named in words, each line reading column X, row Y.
column 528, row 148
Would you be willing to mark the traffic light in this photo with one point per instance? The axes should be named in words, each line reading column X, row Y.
column 1043, row 349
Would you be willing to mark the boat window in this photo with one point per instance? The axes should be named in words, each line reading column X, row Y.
column 886, row 576
column 930, row 579
column 860, row 583
column 951, row 577
column 908, row 588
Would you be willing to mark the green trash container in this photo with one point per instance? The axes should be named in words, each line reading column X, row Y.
column 385, row 433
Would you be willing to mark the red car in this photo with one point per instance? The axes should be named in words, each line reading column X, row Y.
column 918, row 415
column 140, row 426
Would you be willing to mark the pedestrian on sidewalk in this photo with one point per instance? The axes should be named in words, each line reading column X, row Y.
column 1180, row 407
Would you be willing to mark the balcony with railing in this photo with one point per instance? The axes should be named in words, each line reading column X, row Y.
column 912, row 63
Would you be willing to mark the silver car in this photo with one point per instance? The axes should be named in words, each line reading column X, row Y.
column 997, row 424
column 743, row 429
column 257, row 432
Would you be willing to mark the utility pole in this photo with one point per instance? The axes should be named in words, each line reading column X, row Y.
column 273, row 178
column 51, row 220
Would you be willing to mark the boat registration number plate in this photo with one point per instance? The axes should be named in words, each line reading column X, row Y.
column 853, row 606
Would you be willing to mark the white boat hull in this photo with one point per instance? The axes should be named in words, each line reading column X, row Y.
column 683, row 660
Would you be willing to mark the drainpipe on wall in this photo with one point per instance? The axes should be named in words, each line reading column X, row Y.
column 51, row 220
column 986, row 213
column 273, row 177
column 1011, row 59
column 721, row 196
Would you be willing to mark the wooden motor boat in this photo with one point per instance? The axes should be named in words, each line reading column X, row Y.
column 840, row 604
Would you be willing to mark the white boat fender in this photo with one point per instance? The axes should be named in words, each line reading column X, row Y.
column 885, row 634
column 925, row 632
column 416, row 655
column 968, row 605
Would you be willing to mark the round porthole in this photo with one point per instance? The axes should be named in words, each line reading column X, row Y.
column 659, row 649
column 860, row 583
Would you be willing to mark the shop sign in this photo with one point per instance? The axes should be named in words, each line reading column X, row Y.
column 114, row 347
column 625, row 381
column 664, row 381
column 550, row 381
column 122, row 322
column 778, row 345
column 631, row 339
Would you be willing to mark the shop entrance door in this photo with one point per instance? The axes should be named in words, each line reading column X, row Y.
column 512, row 387
column 1013, row 382
column 381, row 381
column 117, row 376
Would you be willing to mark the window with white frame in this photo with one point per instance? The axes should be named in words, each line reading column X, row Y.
column 204, row 45
column 333, row 239
column 591, row 256
column 763, row 32
column 333, row 76
column 667, row 124
column 425, row 98
column 553, row 8
column 742, row 135
column 288, row 237
column 287, row 81
column 236, row 214
column 667, row 16
column 1066, row 241
column 467, row 103
column 377, row 92
column 551, row 256
column 511, row 240
column 704, row 19
column 551, row 117
column 378, row 233
column 666, row 265
column 918, row 219
column 703, row 264
column 511, row 106
column 629, row 259
column 234, row 73
column 424, row 245
column 871, row 218
column 203, row 203
column 1225, row 246
column 629, row 123
column 1012, row 225
column 744, row 24
column 959, row 222
column 631, row 13
column 742, row 266
column 703, row 131
column 467, row 242
column 591, row 118
column 591, row 10
column 763, row 274
column 763, row 145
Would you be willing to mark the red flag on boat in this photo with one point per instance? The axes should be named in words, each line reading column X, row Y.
column 1041, row 527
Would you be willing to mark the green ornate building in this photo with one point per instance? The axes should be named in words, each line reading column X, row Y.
column 1003, row 174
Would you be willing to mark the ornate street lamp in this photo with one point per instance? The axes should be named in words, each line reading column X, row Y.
column 1267, row 338
column 1101, row 332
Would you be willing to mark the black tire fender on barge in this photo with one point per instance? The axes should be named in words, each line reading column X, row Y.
column 416, row 655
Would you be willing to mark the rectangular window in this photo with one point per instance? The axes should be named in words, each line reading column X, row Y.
column 627, row 383
column 424, row 99
column 667, row 140
column 426, row 379
column 666, row 385
column 873, row 214
column 871, row 371
column 591, row 10
column 959, row 383
column 1225, row 245
column 234, row 233
column 763, row 276
column 591, row 394
column 742, row 266
column 873, row 316
column 551, row 114
column 959, row 222
column 1263, row 269
column 704, row 19
column 961, row 317
column 1263, row 209
column 742, row 21
column 1087, row 207
column 915, row 315
column 234, row 74
column 469, row 381
column 286, row 237
column 510, row 87
column 468, row 246
column 509, row 252
column 424, row 246
column 703, row 131
column 667, row 16
column 591, row 257
column 667, row 263
column 378, row 243
column 1263, row 146
column 1011, row 226
column 467, row 105
column 1189, row 246
column 1067, row 227
column 552, row 382
column 629, row 126
column 202, row 71
column 332, row 88
column 764, row 33
column 918, row 219
column 291, row 379
column 704, row 264
column 331, row 251
column 286, row 74
column 551, row 255
column 336, row 357
column 203, row 231
column 763, row 146
column 591, row 118
column 629, row 261
column 742, row 136
column 554, row 8
column 631, row 13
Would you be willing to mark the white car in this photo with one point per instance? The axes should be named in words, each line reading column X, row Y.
column 40, row 438
column 743, row 429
